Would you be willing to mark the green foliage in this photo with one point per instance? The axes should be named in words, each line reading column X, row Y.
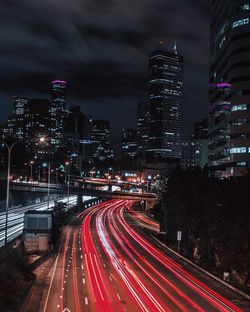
column 213, row 215
column 15, row 279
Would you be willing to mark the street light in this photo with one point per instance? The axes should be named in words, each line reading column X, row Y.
column 48, row 189
column 9, row 148
column 68, row 164
column 148, row 179
column 31, row 173
column 39, row 174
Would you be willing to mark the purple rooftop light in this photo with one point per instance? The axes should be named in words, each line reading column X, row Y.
column 59, row 81
column 223, row 85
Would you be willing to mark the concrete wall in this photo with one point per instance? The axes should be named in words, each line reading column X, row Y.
column 21, row 199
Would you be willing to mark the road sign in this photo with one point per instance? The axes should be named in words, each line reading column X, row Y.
column 179, row 235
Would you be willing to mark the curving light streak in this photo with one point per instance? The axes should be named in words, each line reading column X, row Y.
column 204, row 291
column 104, row 297
column 150, row 269
column 16, row 218
column 141, row 293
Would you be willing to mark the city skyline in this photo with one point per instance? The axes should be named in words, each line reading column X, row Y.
column 125, row 156
column 106, row 66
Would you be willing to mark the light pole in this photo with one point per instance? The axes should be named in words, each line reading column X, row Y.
column 9, row 148
column 56, row 176
column 148, row 179
column 48, row 184
column 68, row 164
column 39, row 174
column 31, row 172
column 48, row 188
column 48, row 192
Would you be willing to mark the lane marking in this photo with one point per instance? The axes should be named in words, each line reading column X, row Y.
column 54, row 271
column 118, row 296
column 86, row 300
column 51, row 281
column 83, row 280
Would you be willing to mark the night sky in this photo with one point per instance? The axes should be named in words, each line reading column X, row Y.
column 101, row 48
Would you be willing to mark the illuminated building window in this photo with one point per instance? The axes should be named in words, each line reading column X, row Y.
column 243, row 21
column 238, row 150
column 239, row 107
column 246, row 7
column 241, row 164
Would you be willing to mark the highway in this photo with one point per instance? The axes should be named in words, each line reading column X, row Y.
column 106, row 263
column 16, row 216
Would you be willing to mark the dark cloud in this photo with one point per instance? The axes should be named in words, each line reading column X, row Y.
column 101, row 48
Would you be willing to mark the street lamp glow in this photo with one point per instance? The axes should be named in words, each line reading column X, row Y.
column 42, row 139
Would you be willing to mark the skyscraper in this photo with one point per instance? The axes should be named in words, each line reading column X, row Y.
column 165, row 104
column 73, row 134
column 129, row 144
column 16, row 121
column 30, row 120
column 142, row 128
column 58, row 99
column 58, row 93
column 100, row 137
column 229, row 107
column 40, row 121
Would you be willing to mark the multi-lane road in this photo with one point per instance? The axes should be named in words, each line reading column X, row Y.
column 106, row 263
column 16, row 216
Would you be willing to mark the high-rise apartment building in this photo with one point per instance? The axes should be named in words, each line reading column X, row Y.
column 229, row 107
column 129, row 144
column 165, row 104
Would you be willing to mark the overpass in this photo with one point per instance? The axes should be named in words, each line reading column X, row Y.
column 86, row 188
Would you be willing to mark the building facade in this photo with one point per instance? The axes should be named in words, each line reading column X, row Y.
column 229, row 103
column 165, row 104
column 30, row 120
column 195, row 148
column 100, row 140
column 129, row 143
column 142, row 128
column 73, row 134
column 58, row 98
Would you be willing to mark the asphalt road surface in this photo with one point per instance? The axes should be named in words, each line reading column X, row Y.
column 107, row 263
